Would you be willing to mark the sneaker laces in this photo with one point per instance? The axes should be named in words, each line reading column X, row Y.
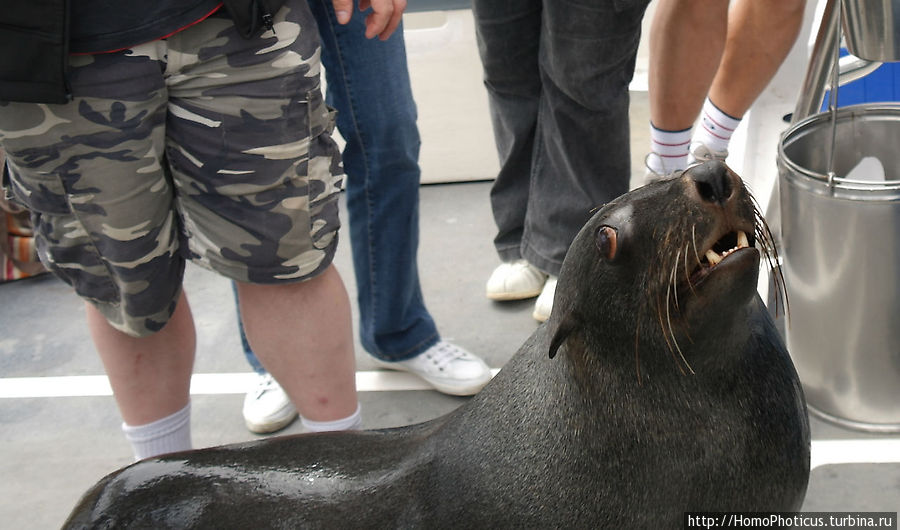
column 651, row 175
column 444, row 353
column 263, row 385
column 701, row 152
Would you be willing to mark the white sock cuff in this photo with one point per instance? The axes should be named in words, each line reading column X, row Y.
column 352, row 422
column 716, row 127
column 713, row 110
column 166, row 435
column 671, row 149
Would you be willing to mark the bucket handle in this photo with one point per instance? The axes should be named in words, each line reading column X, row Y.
column 832, row 96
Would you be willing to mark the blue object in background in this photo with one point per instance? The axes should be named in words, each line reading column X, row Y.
column 881, row 85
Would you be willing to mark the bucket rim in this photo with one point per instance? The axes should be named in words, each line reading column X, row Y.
column 842, row 113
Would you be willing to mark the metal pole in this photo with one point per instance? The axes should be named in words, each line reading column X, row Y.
column 821, row 63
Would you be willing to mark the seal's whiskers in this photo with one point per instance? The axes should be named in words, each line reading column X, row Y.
column 666, row 334
column 668, row 275
column 672, row 294
column 687, row 269
column 766, row 240
column 637, row 356
column 694, row 242
column 673, row 277
column 677, row 346
column 687, row 277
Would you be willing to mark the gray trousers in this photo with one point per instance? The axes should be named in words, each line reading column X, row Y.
column 557, row 75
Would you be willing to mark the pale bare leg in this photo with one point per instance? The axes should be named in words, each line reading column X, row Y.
column 760, row 35
column 687, row 39
column 302, row 333
column 150, row 376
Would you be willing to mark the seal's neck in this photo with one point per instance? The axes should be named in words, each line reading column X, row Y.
column 635, row 356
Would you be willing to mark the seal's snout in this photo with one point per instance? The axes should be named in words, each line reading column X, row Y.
column 713, row 181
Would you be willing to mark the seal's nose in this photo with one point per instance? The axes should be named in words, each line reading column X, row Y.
column 712, row 180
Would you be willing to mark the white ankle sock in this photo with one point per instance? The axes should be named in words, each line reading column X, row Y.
column 352, row 422
column 167, row 435
column 716, row 127
column 670, row 149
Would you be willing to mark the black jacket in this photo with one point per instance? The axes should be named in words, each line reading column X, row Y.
column 34, row 44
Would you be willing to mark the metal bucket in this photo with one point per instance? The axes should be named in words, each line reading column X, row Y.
column 871, row 29
column 841, row 248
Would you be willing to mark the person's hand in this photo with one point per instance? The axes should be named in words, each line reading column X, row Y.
column 381, row 22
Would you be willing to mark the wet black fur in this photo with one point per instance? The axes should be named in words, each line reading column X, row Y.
column 619, row 429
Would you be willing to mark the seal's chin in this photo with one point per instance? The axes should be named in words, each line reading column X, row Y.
column 733, row 250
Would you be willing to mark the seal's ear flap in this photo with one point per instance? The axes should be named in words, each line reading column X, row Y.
column 564, row 328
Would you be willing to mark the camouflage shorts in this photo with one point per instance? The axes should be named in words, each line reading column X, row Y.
column 203, row 146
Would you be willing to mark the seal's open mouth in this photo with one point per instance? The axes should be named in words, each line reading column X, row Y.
column 729, row 244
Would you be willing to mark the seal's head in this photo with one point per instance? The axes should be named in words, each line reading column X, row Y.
column 682, row 253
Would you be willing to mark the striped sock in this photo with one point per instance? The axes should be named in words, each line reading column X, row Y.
column 669, row 150
column 352, row 422
column 716, row 128
column 167, row 435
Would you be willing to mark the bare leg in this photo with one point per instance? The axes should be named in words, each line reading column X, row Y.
column 760, row 35
column 687, row 38
column 302, row 333
column 150, row 376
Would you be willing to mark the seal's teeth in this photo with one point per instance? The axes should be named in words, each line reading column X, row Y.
column 742, row 240
column 713, row 258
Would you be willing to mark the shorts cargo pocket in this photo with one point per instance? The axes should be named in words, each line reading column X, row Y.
column 78, row 264
column 324, row 173
column 65, row 247
column 38, row 192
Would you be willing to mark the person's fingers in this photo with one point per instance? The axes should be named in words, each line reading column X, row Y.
column 343, row 9
column 379, row 18
column 384, row 18
column 394, row 22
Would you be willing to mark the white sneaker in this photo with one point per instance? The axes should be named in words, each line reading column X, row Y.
column 267, row 408
column 447, row 367
column 701, row 153
column 516, row 280
column 544, row 303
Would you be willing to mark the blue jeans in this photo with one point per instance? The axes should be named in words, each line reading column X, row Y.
column 368, row 84
column 557, row 75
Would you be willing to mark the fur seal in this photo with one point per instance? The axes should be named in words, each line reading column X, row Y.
column 659, row 386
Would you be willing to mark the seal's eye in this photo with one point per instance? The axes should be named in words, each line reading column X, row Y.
column 606, row 242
